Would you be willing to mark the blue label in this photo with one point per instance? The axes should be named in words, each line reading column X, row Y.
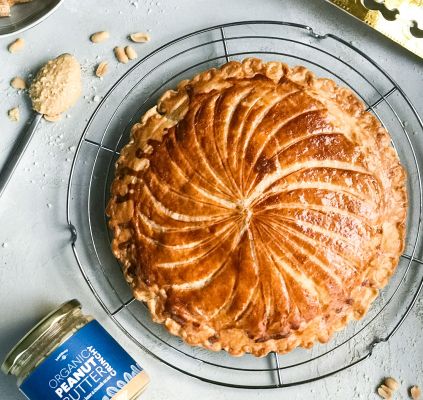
column 90, row 365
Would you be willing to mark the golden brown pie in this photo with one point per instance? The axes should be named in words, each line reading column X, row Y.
column 258, row 208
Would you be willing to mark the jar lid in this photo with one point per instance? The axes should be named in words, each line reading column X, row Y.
column 36, row 332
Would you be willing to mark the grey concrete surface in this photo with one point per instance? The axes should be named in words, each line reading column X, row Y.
column 37, row 268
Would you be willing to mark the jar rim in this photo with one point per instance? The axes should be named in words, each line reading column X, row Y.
column 36, row 332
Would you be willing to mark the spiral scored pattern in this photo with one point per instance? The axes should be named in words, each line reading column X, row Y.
column 258, row 208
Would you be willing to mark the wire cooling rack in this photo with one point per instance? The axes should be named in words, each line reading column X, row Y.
column 107, row 131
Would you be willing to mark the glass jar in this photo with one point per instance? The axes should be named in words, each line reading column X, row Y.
column 69, row 356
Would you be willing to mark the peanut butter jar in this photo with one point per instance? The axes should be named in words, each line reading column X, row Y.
column 69, row 356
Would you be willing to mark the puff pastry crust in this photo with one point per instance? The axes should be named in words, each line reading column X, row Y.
column 258, row 208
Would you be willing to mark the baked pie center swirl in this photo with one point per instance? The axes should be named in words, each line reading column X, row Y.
column 255, row 207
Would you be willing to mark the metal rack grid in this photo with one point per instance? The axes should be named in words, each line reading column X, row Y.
column 108, row 129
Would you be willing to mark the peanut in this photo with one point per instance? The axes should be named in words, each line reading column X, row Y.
column 415, row 392
column 102, row 69
column 16, row 46
column 391, row 383
column 384, row 392
column 121, row 55
column 18, row 83
column 131, row 53
column 99, row 37
column 140, row 37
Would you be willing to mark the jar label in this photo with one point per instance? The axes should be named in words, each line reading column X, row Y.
column 90, row 365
